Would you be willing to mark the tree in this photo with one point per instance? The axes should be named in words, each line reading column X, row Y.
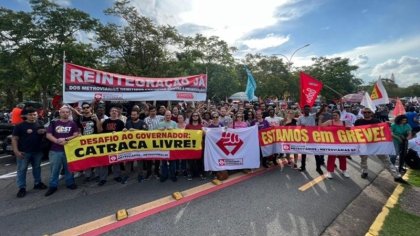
column 39, row 38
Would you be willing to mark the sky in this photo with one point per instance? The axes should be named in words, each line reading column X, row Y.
column 380, row 36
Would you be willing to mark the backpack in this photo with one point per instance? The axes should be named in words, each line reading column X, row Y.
column 412, row 159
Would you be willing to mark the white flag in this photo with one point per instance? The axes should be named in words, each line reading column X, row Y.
column 231, row 149
column 367, row 102
column 379, row 95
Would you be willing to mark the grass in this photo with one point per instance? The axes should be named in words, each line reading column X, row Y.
column 400, row 223
column 414, row 178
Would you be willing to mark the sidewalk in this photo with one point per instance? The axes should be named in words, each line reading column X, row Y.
column 365, row 214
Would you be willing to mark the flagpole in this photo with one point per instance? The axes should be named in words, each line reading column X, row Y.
column 328, row 87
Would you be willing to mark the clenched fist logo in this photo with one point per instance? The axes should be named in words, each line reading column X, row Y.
column 229, row 140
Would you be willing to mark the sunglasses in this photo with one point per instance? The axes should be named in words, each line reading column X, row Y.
column 195, row 115
column 215, row 117
column 367, row 112
column 85, row 107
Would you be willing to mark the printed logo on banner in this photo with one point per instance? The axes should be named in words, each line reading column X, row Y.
column 98, row 96
column 113, row 158
column 185, row 95
column 286, row 147
column 231, row 162
column 229, row 143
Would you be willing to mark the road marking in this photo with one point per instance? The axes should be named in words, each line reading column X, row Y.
column 390, row 203
column 13, row 174
column 312, row 183
column 108, row 223
column 5, row 156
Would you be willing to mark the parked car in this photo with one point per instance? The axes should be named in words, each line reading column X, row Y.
column 6, row 130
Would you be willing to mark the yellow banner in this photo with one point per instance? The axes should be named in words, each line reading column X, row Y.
column 96, row 145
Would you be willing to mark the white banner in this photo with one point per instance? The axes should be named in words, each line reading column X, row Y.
column 84, row 84
column 231, row 149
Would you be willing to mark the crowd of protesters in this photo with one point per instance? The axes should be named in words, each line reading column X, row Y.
column 91, row 118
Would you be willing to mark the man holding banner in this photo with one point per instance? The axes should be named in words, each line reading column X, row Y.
column 368, row 120
column 59, row 133
column 112, row 124
column 168, row 124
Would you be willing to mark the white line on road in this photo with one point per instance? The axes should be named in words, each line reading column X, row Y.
column 5, row 156
column 13, row 174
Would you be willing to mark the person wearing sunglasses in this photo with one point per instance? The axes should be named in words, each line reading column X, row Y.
column 368, row 119
column 215, row 122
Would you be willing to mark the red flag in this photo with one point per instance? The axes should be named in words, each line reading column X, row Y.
column 309, row 89
column 399, row 108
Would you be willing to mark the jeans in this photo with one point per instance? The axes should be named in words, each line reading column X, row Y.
column 165, row 169
column 57, row 161
column 22, row 167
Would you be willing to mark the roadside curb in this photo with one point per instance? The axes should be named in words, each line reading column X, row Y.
column 392, row 201
column 357, row 217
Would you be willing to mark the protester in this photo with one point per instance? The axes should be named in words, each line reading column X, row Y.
column 167, row 124
column 401, row 133
column 336, row 122
column 309, row 120
column 88, row 123
column 239, row 121
column 413, row 118
column 152, row 122
column 59, row 133
column 262, row 124
column 26, row 143
column 225, row 118
column 134, row 123
column 110, row 125
column 195, row 166
column 16, row 114
column 272, row 119
column 368, row 120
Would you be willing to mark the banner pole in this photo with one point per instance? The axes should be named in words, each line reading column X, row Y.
column 328, row 87
column 64, row 75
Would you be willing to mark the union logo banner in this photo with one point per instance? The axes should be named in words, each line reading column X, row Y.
column 104, row 149
column 359, row 140
column 231, row 149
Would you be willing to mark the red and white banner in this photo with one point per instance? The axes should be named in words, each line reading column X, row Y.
column 309, row 89
column 231, row 149
column 359, row 140
column 84, row 84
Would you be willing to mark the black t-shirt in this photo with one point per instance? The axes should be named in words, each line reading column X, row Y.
column 29, row 139
column 110, row 126
column 140, row 125
column 366, row 122
column 87, row 125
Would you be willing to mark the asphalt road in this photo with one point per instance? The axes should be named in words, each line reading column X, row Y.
column 268, row 204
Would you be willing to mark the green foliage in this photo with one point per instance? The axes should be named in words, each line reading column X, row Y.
column 335, row 73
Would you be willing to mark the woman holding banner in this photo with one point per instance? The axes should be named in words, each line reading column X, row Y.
column 195, row 166
column 335, row 121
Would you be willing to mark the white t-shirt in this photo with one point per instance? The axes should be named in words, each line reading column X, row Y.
column 414, row 144
column 348, row 116
column 274, row 121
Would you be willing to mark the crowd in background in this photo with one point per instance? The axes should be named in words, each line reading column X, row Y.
column 30, row 135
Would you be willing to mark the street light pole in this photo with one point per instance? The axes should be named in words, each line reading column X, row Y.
column 289, row 59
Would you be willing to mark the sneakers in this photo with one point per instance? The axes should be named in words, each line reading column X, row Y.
column 364, row 175
column 345, row 174
column 40, row 185
column 124, row 180
column 328, row 175
column 21, row 193
column 72, row 186
column 401, row 181
column 140, row 178
column 102, row 183
column 319, row 171
column 50, row 191
column 118, row 179
column 302, row 169
column 189, row 177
